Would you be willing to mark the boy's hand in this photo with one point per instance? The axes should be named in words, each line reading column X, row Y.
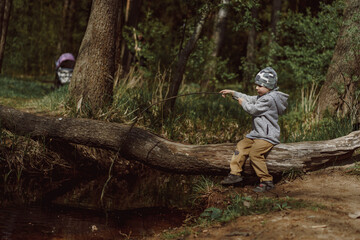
column 226, row 91
column 240, row 100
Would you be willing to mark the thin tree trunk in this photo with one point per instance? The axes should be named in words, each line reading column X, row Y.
column 275, row 15
column 250, row 65
column 60, row 44
column 217, row 39
column 132, row 15
column 2, row 9
column 181, row 65
column 92, row 82
column 119, row 38
column 157, row 152
column 251, row 43
column 68, row 25
column 5, row 17
column 339, row 94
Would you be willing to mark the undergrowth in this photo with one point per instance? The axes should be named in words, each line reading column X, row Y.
column 228, row 206
column 198, row 119
column 354, row 170
column 16, row 92
column 242, row 205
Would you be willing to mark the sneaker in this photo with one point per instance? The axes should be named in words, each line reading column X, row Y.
column 231, row 179
column 264, row 186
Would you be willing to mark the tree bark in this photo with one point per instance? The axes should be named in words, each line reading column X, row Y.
column 157, row 152
column 339, row 94
column 92, row 82
column 5, row 8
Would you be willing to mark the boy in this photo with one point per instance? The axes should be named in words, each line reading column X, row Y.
column 265, row 110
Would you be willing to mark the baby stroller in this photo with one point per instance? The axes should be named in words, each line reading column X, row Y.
column 64, row 67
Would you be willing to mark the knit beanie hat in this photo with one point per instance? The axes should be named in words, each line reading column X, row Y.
column 267, row 77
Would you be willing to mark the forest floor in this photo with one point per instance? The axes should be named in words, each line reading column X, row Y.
column 339, row 217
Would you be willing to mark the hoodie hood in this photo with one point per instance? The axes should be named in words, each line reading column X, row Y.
column 280, row 99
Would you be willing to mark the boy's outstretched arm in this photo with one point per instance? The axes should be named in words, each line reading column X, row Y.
column 226, row 91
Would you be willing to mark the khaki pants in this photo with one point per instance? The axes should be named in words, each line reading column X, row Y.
column 255, row 149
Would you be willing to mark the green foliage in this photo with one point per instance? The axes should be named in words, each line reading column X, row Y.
column 156, row 48
column 34, row 34
column 200, row 62
column 198, row 119
column 246, row 205
column 297, row 130
column 244, row 18
column 304, row 46
column 161, row 46
column 212, row 213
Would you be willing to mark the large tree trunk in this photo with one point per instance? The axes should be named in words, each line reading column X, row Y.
column 92, row 82
column 339, row 94
column 5, row 8
column 140, row 145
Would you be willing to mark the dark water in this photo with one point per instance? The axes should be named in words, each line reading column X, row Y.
column 54, row 222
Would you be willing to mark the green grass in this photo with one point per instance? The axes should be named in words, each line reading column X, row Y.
column 176, row 234
column 52, row 102
column 354, row 170
column 301, row 123
column 15, row 92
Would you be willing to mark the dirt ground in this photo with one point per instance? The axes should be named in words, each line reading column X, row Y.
column 332, row 187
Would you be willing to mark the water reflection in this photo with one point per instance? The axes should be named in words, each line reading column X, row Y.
column 53, row 222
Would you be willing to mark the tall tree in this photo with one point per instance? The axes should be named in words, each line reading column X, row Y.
column 132, row 14
column 5, row 7
column 340, row 92
column 275, row 14
column 250, row 64
column 183, row 57
column 92, row 81
column 119, row 41
column 217, row 40
column 66, row 34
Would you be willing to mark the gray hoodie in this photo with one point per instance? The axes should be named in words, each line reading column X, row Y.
column 265, row 111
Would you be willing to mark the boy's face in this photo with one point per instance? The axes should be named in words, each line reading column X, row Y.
column 262, row 90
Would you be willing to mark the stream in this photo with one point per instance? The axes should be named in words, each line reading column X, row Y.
column 67, row 204
column 55, row 222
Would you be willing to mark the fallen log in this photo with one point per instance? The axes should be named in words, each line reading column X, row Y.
column 155, row 151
